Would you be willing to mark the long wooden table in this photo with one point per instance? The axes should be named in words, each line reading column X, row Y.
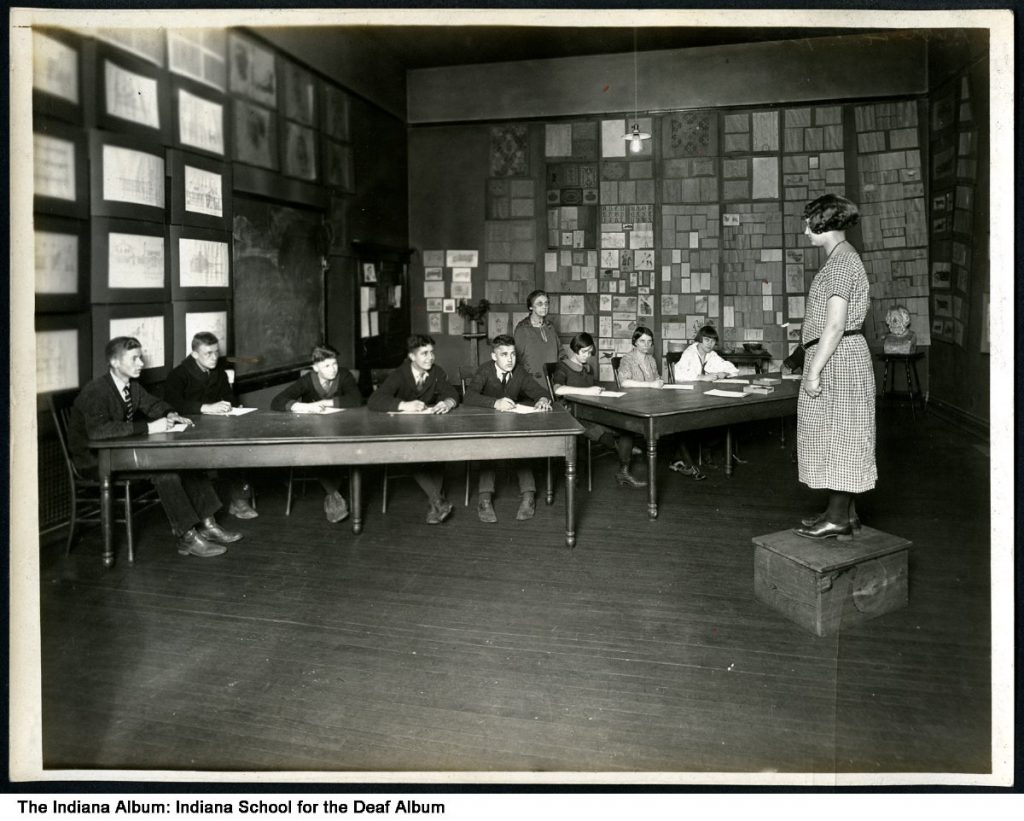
column 653, row 413
column 353, row 437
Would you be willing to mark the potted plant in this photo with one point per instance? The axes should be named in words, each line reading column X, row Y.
column 474, row 313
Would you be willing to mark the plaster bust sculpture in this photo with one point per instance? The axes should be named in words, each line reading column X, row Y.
column 900, row 339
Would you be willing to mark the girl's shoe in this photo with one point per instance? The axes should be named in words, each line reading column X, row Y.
column 626, row 479
column 687, row 470
column 811, row 521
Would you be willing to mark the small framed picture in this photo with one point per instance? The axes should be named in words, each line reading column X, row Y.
column 192, row 316
column 132, row 95
column 199, row 118
column 339, row 168
column 253, row 70
column 298, row 97
column 129, row 261
column 298, row 146
column 57, row 74
column 127, row 176
column 369, row 272
column 149, row 323
column 61, row 253
column 62, row 351
column 200, row 263
column 200, row 190
column 335, row 113
column 60, row 169
column 254, row 130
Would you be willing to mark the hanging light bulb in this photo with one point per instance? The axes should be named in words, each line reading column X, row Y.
column 635, row 136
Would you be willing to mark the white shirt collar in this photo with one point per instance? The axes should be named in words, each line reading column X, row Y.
column 118, row 382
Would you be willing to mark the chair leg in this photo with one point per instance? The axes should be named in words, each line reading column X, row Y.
column 550, row 496
column 288, row 498
column 590, row 468
column 466, row 502
column 384, row 493
column 128, row 522
column 74, row 521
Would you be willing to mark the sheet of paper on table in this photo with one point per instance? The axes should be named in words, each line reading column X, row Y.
column 332, row 410
column 727, row 394
column 241, row 411
column 676, row 386
column 526, row 409
column 409, row 413
column 566, row 390
column 613, row 394
column 796, row 376
column 178, row 427
column 733, row 381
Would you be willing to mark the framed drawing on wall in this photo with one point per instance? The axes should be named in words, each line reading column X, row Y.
column 131, row 96
column 299, row 152
column 199, row 121
column 61, row 248
column 62, row 351
column 253, row 73
column 129, row 261
column 149, row 323
column 298, row 97
column 60, row 175
column 127, row 177
column 146, row 43
column 200, row 190
column 335, row 119
column 339, row 168
column 199, row 54
column 193, row 316
column 57, row 75
column 200, row 263
column 255, row 134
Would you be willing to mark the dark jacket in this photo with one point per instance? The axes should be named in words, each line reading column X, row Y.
column 188, row 387
column 485, row 386
column 303, row 389
column 98, row 413
column 565, row 375
column 400, row 386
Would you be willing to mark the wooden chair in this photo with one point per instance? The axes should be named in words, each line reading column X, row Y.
column 131, row 495
column 616, row 361
column 304, row 478
column 377, row 376
column 549, row 370
column 671, row 360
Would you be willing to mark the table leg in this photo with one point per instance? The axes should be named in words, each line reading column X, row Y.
column 910, row 390
column 106, row 520
column 917, row 381
column 652, row 471
column 885, row 378
column 570, row 491
column 550, row 496
column 355, row 490
column 728, row 450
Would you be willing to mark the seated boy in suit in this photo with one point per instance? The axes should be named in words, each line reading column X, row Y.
column 197, row 385
column 115, row 405
column 420, row 386
column 326, row 386
column 499, row 384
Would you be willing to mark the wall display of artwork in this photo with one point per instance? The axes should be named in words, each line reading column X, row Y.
column 129, row 261
column 199, row 121
column 60, row 170
column 56, row 75
column 146, row 43
column 200, row 263
column 339, row 166
column 199, row 54
column 127, row 176
column 336, row 114
column 132, row 96
column 62, row 351
column 510, row 151
column 298, row 147
column 253, row 70
column 200, row 190
column 255, row 135
column 61, row 248
column 298, row 93
column 196, row 316
column 149, row 323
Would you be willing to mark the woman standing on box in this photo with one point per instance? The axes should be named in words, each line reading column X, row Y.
column 836, row 407
column 536, row 338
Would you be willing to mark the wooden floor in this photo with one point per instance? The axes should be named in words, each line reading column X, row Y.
column 492, row 647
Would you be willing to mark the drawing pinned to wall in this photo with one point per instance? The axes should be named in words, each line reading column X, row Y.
column 339, row 166
column 558, row 140
column 214, row 322
column 203, row 263
column 56, row 360
column 135, row 261
column 462, row 290
column 56, row 262
column 54, row 167
column 147, row 43
column 434, row 323
column 133, row 176
column 54, row 67
column 434, row 304
column 433, row 289
column 433, row 259
column 255, row 132
column 299, row 93
column 448, row 306
column 299, row 152
column 510, row 151
column 369, row 272
column 796, row 307
column 690, row 134
column 203, row 191
column 149, row 330
column 200, row 122
column 612, row 142
column 462, row 259
column 462, row 275
column 253, row 73
column 336, row 113
column 199, row 54
column 131, row 96
column 433, row 274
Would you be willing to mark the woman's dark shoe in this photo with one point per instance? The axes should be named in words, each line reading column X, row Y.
column 626, row 479
column 810, row 521
column 826, row 530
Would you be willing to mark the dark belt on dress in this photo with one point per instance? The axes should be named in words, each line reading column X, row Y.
column 854, row 332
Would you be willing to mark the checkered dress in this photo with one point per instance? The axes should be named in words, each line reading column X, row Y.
column 836, row 429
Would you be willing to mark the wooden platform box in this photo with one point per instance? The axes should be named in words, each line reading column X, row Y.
column 829, row 584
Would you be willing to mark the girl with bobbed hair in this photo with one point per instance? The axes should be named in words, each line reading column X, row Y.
column 536, row 338
column 836, row 407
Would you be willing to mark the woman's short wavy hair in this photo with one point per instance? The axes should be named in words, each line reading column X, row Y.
column 642, row 331
column 831, row 212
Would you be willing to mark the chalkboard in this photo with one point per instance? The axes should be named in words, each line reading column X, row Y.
column 278, row 285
